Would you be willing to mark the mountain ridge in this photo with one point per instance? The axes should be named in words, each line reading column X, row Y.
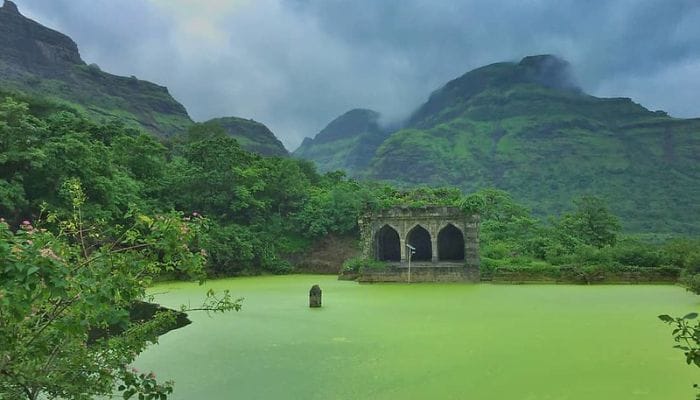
column 360, row 133
column 527, row 128
column 40, row 61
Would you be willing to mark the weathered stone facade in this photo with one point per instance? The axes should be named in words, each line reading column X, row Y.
column 442, row 236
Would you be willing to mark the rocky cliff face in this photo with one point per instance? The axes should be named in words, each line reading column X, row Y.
column 37, row 60
column 32, row 46
column 251, row 135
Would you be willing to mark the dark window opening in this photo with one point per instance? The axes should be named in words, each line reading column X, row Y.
column 450, row 244
column 388, row 244
column 419, row 238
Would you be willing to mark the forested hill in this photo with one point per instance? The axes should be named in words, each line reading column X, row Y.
column 347, row 143
column 42, row 62
column 251, row 135
column 527, row 128
column 38, row 60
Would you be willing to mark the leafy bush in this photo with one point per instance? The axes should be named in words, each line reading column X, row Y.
column 683, row 252
column 632, row 252
column 60, row 290
column 686, row 334
column 496, row 250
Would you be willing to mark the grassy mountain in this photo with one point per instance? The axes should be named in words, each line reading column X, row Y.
column 347, row 143
column 45, row 64
column 526, row 128
column 251, row 135
column 40, row 61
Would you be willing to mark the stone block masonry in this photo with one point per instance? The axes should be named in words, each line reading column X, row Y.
column 445, row 239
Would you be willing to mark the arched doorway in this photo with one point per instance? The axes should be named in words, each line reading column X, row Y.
column 419, row 238
column 450, row 244
column 388, row 244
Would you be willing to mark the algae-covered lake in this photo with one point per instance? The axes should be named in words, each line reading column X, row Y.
column 425, row 341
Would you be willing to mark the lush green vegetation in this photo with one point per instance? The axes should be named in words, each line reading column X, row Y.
column 66, row 298
column 251, row 135
column 584, row 243
column 347, row 143
column 263, row 210
column 93, row 210
column 507, row 126
column 260, row 210
column 241, row 213
column 102, row 96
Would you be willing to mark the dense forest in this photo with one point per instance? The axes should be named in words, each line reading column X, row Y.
column 261, row 212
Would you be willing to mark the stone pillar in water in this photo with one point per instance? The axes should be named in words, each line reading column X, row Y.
column 315, row 296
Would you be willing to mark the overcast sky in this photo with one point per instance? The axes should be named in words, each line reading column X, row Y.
column 297, row 64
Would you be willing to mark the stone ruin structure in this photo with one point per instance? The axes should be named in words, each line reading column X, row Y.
column 446, row 241
column 315, row 296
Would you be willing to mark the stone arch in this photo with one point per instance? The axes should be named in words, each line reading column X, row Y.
column 450, row 243
column 419, row 238
column 388, row 244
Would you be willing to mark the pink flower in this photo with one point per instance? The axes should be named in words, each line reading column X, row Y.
column 25, row 222
column 48, row 253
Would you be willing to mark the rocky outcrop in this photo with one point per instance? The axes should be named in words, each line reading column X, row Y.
column 38, row 60
column 34, row 47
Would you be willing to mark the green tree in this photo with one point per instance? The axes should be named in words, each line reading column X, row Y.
column 591, row 222
column 218, row 178
column 20, row 135
column 65, row 297
column 37, row 155
column 507, row 228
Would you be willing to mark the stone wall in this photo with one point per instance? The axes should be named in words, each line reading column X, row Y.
column 422, row 274
column 433, row 219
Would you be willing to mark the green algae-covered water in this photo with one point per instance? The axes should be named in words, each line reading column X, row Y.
column 426, row 341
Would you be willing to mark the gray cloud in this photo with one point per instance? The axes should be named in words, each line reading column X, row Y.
column 295, row 65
